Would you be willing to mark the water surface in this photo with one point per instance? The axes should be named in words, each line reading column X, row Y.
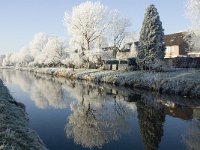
column 81, row 115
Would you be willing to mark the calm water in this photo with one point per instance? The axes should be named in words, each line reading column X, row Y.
column 80, row 115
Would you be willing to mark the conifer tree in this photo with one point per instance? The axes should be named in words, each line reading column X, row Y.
column 151, row 42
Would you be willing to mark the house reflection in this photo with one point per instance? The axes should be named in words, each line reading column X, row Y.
column 152, row 110
column 185, row 113
column 192, row 136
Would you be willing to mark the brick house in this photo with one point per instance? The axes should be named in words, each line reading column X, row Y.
column 176, row 45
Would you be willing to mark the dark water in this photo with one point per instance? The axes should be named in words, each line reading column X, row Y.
column 79, row 115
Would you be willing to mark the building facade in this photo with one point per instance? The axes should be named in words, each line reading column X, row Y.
column 176, row 45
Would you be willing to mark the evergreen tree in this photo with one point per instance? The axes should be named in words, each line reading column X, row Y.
column 151, row 42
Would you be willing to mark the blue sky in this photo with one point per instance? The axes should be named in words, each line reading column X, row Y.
column 21, row 19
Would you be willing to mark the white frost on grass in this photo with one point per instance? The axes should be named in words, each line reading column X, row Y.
column 185, row 83
column 14, row 130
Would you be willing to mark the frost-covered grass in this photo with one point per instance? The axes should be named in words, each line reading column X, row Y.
column 14, row 131
column 180, row 82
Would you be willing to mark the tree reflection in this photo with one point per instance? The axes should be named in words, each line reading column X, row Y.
column 94, row 123
column 151, row 118
column 45, row 93
column 192, row 136
column 43, row 89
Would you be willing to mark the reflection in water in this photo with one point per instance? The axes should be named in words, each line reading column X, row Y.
column 192, row 136
column 98, row 116
column 152, row 109
column 42, row 91
column 101, row 114
column 93, row 124
column 151, row 119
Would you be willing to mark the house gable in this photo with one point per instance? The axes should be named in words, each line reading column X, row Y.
column 176, row 42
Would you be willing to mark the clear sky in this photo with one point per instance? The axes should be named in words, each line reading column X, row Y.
column 21, row 19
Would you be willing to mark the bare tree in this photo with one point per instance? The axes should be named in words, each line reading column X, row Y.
column 118, row 29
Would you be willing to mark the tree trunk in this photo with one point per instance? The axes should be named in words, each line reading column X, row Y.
column 88, row 44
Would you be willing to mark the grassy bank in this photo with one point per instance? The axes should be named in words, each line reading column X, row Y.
column 181, row 82
column 14, row 130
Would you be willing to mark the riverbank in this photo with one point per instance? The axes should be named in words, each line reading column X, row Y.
column 14, row 130
column 181, row 82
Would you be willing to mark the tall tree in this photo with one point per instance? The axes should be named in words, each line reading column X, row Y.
column 151, row 42
column 54, row 50
column 193, row 13
column 87, row 22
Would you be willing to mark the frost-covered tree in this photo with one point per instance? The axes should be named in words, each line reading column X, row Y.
column 23, row 57
column 129, row 38
column 87, row 22
column 6, row 60
column 54, row 50
column 38, row 43
column 1, row 59
column 193, row 13
column 118, row 29
column 29, row 53
column 42, row 50
column 47, row 49
column 101, row 42
column 97, row 56
column 151, row 41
